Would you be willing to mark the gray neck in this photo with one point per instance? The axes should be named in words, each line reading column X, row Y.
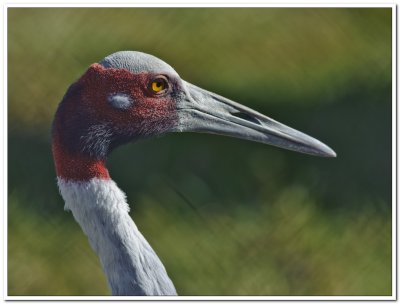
column 130, row 264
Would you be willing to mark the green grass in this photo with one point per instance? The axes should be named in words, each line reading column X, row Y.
column 286, row 247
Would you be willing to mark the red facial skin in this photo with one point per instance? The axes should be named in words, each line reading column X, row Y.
column 86, row 105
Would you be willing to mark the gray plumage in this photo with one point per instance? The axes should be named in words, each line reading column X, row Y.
column 137, row 62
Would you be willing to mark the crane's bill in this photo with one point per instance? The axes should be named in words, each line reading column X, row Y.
column 205, row 112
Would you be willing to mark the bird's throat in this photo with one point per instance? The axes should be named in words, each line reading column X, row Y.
column 77, row 167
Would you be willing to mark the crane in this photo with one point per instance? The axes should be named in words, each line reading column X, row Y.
column 127, row 96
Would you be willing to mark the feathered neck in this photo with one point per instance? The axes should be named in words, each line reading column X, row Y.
column 130, row 264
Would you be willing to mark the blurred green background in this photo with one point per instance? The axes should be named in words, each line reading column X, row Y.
column 227, row 217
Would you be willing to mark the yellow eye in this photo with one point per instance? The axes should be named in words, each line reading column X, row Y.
column 158, row 85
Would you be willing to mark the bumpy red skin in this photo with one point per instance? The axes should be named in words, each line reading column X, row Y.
column 78, row 168
column 86, row 104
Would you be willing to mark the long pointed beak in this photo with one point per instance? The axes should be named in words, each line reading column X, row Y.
column 206, row 112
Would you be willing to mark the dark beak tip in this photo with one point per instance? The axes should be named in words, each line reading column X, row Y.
column 329, row 153
column 332, row 155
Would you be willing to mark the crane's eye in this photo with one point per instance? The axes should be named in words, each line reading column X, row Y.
column 159, row 85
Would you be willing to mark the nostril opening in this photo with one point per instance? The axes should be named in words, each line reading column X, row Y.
column 246, row 117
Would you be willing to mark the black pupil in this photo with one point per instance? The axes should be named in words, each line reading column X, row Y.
column 159, row 83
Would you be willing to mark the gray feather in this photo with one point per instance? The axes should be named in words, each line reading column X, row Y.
column 137, row 62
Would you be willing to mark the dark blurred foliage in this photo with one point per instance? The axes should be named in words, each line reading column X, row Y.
column 227, row 217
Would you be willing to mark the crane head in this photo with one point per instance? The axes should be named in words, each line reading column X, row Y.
column 131, row 95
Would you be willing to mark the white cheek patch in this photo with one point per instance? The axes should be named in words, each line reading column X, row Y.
column 120, row 101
